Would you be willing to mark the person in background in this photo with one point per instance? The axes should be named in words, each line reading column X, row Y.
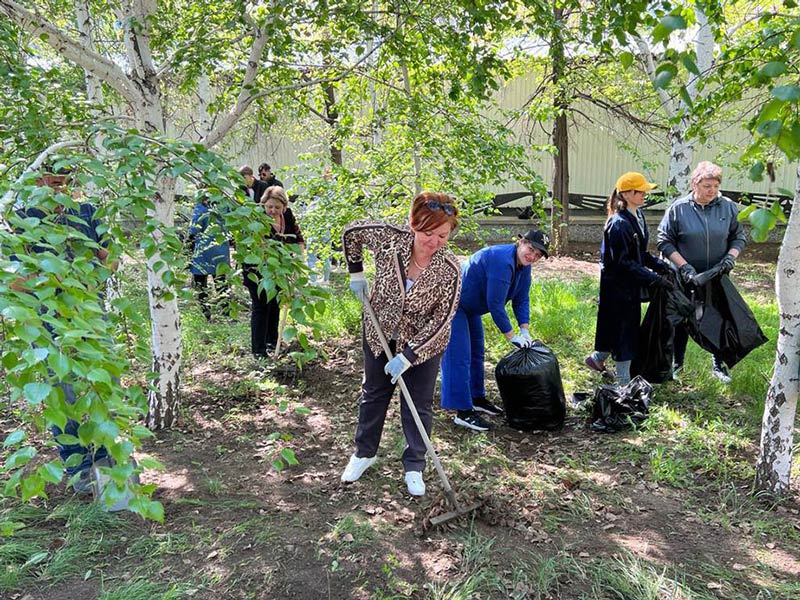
column 253, row 188
column 698, row 232
column 267, row 177
column 265, row 312
column 208, row 253
column 490, row 278
column 415, row 295
column 625, row 268
column 88, row 241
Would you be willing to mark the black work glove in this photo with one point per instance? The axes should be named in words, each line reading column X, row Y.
column 664, row 283
column 687, row 273
column 727, row 264
column 661, row 267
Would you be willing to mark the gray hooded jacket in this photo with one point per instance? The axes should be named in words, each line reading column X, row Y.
column 703, row 235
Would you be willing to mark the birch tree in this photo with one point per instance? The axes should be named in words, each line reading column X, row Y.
column 699, row 60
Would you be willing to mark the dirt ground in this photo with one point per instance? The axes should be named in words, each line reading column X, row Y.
column 254, row 532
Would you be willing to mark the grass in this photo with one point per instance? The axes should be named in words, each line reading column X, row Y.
column 697, row 446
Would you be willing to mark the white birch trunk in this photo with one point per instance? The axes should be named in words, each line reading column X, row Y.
column 164, row 397
column 774, row 465
column 94, row 91
column 681, row 155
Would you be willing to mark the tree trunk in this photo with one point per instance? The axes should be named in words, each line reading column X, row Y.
column 681, row 156
column 560, row 209
column 774, row 465
column 164, row 397
column 331, row 118
column 560, row 191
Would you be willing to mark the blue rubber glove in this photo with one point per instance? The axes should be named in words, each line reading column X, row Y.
column 358, row 285
column 396, row 367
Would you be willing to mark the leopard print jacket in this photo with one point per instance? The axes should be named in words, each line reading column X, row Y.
column 418, row 319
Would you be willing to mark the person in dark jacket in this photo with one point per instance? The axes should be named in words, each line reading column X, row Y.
column 491, row 277
column 209, row 253
column 253, row 188
column 267, row 177
column 626, row 267
column 265, row 312
column 697, row 233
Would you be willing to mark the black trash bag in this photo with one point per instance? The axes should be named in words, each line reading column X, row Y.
column 656, row 344
column 529, row 381
column 727, row 327
column 618, row 408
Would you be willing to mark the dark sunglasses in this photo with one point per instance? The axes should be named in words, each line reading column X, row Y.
column 447, row 209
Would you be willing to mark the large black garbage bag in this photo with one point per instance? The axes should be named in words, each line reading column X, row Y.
column 727, row 327
column 656, row 345
column 617, row 408
column 529, row 381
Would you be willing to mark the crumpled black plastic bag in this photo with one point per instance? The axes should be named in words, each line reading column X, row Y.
column 529, row 380
column 727, row 327
column 655, row 348
column 618, row 408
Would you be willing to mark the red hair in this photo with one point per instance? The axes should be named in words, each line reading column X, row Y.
column 424, row 218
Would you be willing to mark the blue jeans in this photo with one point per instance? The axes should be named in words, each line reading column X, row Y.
column 623, row 366
column 462, row 363
column 66, row 450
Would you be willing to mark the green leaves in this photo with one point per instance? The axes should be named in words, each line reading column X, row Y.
column 786, row 93
column 664, row 75
column 667, row 25
column 36, row 393
column 772, row 69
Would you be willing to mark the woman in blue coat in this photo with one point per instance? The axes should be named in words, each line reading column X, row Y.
column 210, row 250
column 490, row 278
column 626, row 267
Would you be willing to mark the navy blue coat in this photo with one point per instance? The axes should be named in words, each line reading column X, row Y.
column 625, row 269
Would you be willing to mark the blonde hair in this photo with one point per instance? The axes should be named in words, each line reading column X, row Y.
column 275, row 192
column 705, row 170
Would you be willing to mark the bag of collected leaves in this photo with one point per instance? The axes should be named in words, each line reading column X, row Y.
column 621, row 407
column 529, row 380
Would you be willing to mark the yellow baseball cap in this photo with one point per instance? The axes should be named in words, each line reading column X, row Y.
column 634, row 181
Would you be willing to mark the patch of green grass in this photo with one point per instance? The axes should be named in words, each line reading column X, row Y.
column 634, row 578
column 56, row 545
column 143, row 589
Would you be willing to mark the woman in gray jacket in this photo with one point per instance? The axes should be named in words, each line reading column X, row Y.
column 698, row 232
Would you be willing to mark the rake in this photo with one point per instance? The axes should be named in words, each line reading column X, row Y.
column 458, row 510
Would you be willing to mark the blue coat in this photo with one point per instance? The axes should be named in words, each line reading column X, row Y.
column 206, row 227
column 490, row 278
column 625, row 267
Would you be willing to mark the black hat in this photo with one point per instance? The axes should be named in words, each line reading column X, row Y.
column 539, row 240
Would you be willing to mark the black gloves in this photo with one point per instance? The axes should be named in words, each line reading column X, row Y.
column 664, row 283
column 727, row 264
column 687, row 272
column 661, row 267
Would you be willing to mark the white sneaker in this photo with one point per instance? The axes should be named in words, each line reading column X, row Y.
column 356, row 467
column 416, row 487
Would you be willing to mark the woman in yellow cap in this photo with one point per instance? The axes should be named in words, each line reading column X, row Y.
column 626, row 267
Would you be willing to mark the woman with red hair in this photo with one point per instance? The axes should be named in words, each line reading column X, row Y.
column 415, row 293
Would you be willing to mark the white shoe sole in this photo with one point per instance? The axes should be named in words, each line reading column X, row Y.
column 463, row 423
column 486, row 411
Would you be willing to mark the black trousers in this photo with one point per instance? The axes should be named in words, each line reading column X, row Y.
column 264, row 317
column 377, row 390
column 222, row 301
